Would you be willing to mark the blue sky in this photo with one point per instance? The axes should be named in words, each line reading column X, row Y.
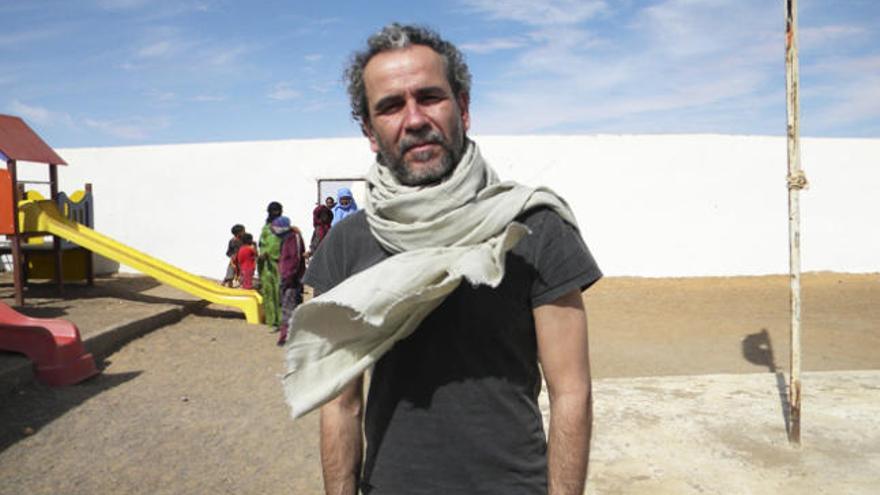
column 131, row 72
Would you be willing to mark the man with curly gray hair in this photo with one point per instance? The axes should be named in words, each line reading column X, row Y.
column 395, row 38
column 452, row 405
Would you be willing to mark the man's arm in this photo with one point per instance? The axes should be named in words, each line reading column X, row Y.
column 341, row 440
column 563, row 350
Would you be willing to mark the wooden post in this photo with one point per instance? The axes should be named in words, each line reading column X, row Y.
column 796, row 181
column 56, row 241
column 17, row 266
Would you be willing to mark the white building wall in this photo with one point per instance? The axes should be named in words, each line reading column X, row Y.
column 665, row 205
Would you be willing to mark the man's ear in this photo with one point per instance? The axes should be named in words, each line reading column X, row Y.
column 464, row 101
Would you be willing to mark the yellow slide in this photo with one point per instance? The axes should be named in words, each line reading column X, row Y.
column 43, row 216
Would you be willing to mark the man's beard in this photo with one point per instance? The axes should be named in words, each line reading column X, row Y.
column 409, row 176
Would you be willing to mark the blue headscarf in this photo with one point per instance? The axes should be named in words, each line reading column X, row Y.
column 339, row 211
column 281, row 226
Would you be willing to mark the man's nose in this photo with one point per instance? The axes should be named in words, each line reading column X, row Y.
column 415, row 118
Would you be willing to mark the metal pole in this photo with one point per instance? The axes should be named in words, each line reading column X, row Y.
column 796, row 181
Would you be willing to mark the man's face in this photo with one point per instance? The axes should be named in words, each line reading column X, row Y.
column 416, row 124
column 345, row 201
column 330, row 202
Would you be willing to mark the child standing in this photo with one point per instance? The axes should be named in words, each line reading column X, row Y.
column 232, row 272
column 247, row 260
column 322, row 218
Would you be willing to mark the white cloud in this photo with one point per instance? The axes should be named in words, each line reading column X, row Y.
column 38, row 114
column 306, row 26
column 319, row 105
column 847, row 67
column 161, row 96
column 121, row 4
column 492, row 45
column 313, row 57
column 539, row 13
column 157, row 49
column 153, row 9
column 135, row 129
column 223, row 57
column 668, row 57
column 682, row 28
column 324, row 86
column 17, row 39
column 284, row 91
column 167, row 50
column 842, row 91
column 160, row 44
column 854, row 103
column 819, row 37
column 208, row 98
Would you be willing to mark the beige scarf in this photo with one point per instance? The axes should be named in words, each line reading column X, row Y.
column 459, row 229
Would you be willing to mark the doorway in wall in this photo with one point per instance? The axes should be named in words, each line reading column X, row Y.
column 328, row 187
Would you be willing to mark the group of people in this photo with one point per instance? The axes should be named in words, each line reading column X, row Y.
column 279, row 260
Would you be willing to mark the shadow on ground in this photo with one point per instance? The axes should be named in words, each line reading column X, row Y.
column 28, row 409
column 41, row 298
column 213, row 312
column 757, row 348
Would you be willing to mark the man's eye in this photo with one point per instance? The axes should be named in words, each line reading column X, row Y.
column 389, row 108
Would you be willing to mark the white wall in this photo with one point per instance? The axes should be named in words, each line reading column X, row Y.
column 666, row 205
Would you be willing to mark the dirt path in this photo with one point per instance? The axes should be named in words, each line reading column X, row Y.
column 197, row 407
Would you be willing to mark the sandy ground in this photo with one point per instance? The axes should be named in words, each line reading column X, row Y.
column 657, row 327
column 196, row 407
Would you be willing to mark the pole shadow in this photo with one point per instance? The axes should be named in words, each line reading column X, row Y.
column 757, row 348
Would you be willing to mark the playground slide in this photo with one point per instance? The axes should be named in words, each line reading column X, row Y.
column 54, row 346
column 43, row 216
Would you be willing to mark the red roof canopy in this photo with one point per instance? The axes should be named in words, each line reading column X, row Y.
column 20, row 142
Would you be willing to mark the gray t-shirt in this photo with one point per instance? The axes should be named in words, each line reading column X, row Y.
column 453, row 407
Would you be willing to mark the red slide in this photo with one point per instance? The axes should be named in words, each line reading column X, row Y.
column 54, row 346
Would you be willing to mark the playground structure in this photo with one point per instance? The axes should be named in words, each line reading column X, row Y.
column 26, row 218
column 38, row 256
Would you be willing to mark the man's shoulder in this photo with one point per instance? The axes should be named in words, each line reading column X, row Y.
column 541, row 218
column 354, row 225
column 348, row 248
